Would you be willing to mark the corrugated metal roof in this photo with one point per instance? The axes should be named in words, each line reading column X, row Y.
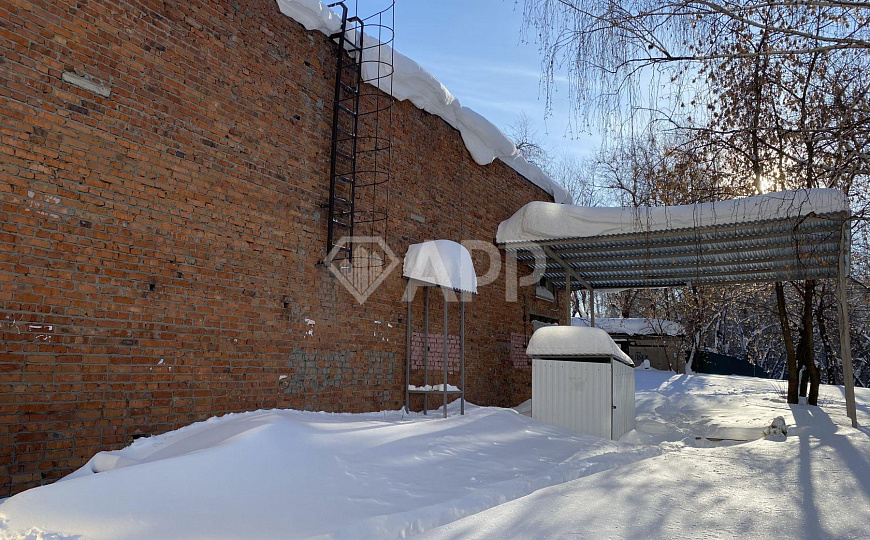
column 777, row 250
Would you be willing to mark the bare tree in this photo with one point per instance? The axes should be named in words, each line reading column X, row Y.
column 710, row 99
column 525, row 137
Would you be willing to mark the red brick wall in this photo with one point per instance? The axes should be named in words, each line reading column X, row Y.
column 160, row 249
column 435, row 357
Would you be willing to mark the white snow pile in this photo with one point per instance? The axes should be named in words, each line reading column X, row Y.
column 433, row 388
column 574, row 341
column 409, row 81
column 706, row 483
column 441, row 262
column 284, row 474
column 634, row 326
column 697, row 466
column 543, row 221
column 777, row 428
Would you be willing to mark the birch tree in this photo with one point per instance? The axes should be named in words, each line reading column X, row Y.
column 760, row 95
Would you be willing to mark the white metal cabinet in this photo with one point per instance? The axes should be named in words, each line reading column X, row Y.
column 594, row 396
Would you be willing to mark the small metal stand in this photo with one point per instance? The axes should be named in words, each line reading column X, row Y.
column 408, row 333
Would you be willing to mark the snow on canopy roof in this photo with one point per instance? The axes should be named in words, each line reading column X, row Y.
column 633, row 326
column 783, row 236
column 574, row 341
column 411, row 82
column 548, row 221
column 441, row 262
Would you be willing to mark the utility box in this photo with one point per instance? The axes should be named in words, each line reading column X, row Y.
column 581, row 381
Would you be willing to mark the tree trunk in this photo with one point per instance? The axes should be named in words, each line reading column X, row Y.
column 696, row 342
column 806, row 348
column 791, row 360
column 830, row 364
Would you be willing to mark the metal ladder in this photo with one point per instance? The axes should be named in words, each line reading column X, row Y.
column 345, row 126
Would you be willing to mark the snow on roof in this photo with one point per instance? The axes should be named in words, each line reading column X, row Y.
column 441, row 262
column 411, row 82
column 574, row 341
column 634, row 326
column 548, row 221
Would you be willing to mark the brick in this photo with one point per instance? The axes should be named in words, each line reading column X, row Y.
column 173, row 235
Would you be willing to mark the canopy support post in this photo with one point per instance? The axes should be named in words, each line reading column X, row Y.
column 845, row 340
column 591, row 308
column 462, row 353
column 444, row 350
column 568, row 297
column 426, row 349
column 569, row 273
column 408, row 355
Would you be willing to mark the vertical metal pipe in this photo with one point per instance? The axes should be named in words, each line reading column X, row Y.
column 568, row 296
column 445, row 352
column 408, row 356
column 845, row 339
column 426, row 348
column 462, row 355
column 591, row 308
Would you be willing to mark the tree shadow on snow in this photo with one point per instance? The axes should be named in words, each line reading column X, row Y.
column 815, row 423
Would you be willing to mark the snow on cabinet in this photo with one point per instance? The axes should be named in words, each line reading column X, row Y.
column 581, row 381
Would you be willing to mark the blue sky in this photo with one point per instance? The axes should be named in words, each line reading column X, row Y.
column 474, row 48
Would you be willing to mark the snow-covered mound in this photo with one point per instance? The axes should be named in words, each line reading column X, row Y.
column 541, row 220
column 686, row 472
column 813, row 484
column 410, row 81
column 283, row 474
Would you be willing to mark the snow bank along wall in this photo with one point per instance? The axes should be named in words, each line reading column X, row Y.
column 161, row 231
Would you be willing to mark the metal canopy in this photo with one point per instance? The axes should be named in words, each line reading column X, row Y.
column 779, row 250
column 811, row 246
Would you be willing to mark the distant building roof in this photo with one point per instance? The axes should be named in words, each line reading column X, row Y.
column 634, row 326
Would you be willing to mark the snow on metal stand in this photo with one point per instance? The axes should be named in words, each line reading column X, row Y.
column 448, row 266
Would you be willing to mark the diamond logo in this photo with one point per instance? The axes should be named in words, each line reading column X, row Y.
column 361, row 274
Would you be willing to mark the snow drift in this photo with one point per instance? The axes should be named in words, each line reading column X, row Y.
column 286, row 474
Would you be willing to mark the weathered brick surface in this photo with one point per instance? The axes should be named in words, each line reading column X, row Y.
column 160, row 249
column 435, row 357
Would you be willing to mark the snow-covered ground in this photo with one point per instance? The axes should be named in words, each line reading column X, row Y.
column 494, row 473
column 814, row 483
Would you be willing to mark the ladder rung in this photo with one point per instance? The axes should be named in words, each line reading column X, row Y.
column 340, row 248
column 355, row 65
column 341, row 200
column 340, row 223
column 341, row 154
column 349, row 88
column 344, row 178
column 348, row 133
column 347, row 110
column 347, row 43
